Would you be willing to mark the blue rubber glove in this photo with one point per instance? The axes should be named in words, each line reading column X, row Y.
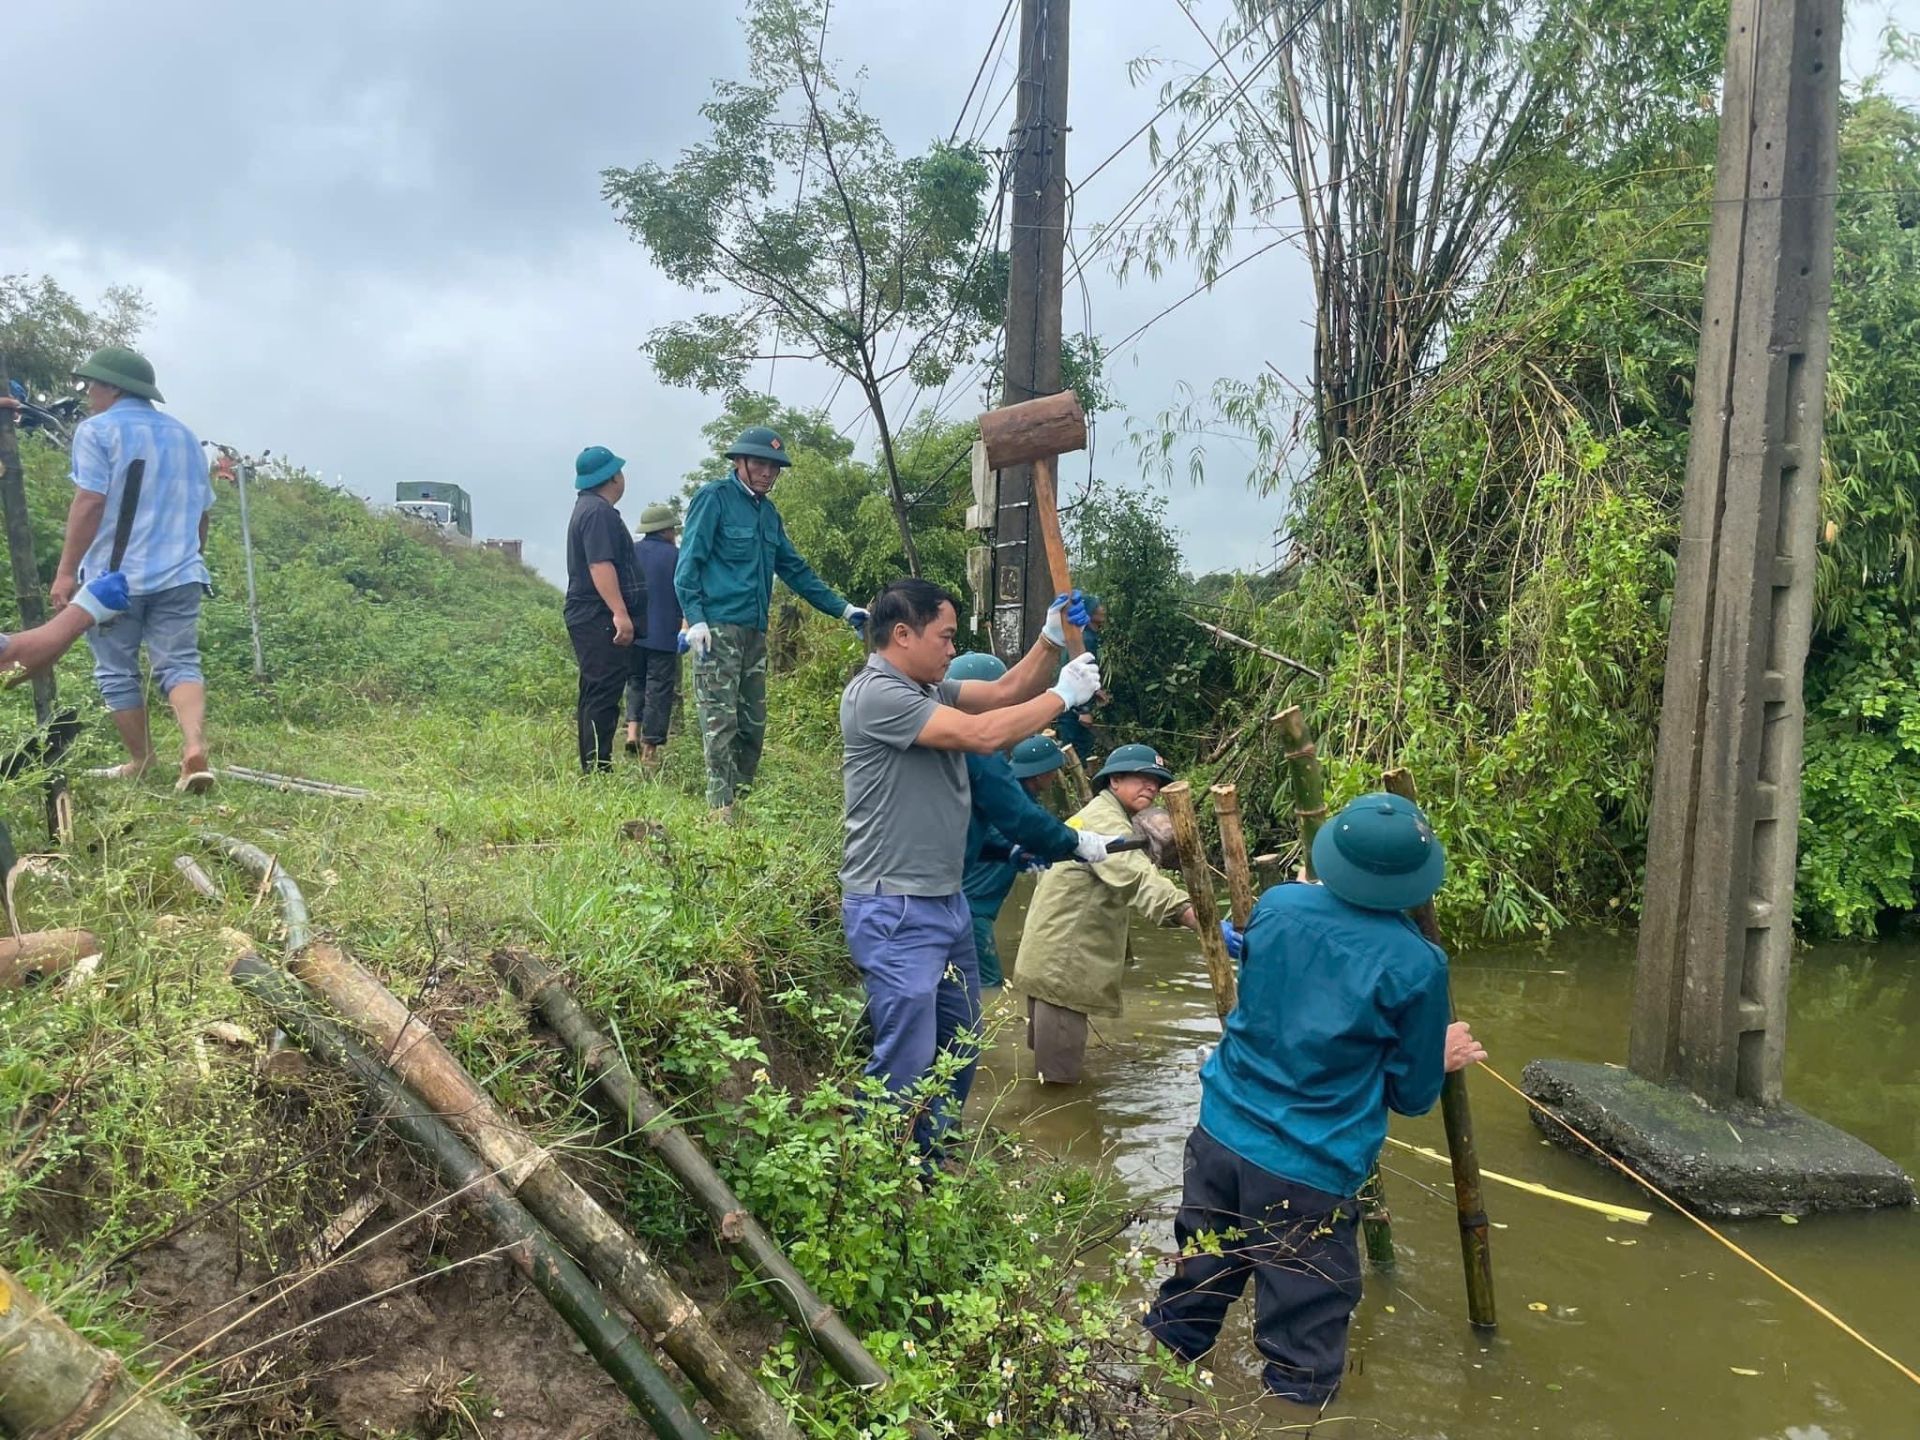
column 104, row 597
column 680, row 643
column 855, row 616
column 1075, row 608
column 1026, row 860
column 1236, row 945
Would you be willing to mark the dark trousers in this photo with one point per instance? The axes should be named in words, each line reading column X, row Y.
column 604, row 667
column 650, row 691
column 1298, row 1245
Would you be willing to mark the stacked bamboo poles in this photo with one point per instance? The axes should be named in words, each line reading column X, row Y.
column 1475, row 1244
column 296, row 784
column 535, row 983
column 54, row 1383
column 414, row 1058
column 1308, row 782
column 1178, row 799
column 533, row 1251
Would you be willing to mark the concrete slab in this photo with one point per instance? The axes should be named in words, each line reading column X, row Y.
column 1722, row 1163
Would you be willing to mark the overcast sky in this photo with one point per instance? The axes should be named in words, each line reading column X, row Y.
column 373, row 238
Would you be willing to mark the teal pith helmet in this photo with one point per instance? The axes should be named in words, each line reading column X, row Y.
column 1036, row 755
column 1379, row 853
column 121, row 368
column 760, row 442
column 1133, row 759
column 975, row 665
column 657, row 517
column 594, row 466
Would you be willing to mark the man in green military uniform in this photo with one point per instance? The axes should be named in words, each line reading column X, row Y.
column 732, row 547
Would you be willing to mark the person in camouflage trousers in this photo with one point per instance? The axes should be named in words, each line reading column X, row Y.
column 732, row 547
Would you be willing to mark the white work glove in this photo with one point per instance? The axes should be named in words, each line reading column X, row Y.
column 1079, row 681
column 699, row 639
column 1092, row 849
column 856, row 616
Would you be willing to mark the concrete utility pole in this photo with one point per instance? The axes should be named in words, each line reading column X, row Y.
column 1716, row 934
column 1021, row 589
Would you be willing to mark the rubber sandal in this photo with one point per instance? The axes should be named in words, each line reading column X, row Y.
column 125, row 770
column 198, row 782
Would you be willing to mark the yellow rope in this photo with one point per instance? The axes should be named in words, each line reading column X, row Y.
column 1642, row 1180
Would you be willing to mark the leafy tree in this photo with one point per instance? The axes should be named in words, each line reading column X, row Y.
column 45, row 331
column 840, row 250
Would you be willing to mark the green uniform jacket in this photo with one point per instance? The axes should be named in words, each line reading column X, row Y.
column 732, row 547
column 1074, row 949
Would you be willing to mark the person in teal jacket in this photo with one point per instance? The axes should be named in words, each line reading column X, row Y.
column 1007, row 832
column 732, row 547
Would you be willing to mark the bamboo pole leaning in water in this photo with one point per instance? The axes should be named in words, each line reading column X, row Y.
column 620, row 1352
column 1233, row 853
column 54, row 1382
column 541, row 988
column 1178, row 799
column 1476, row 1248
column 1308, row 781
column 614, row 1257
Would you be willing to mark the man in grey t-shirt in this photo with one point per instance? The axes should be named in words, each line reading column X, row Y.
column 906, row 732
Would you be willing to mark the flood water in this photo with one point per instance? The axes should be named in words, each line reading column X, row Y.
column 1647, row 1330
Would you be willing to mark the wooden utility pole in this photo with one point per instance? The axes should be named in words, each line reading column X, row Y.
column 1716, row 934
column 1021, row 589
column 30, row 600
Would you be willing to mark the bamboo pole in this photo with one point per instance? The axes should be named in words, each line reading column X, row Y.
column 41, row 954
column 1178, row 799
column 620, row 1352
column 1079, row 787
column 1306, row 778
column 1220, row 633
column 1533, row 1187
column 293, row 905
column 541, row 988
column 1376, row 1221
column 297, row 783
column 1233, row 853
column 414, row 1054
column 54, row 1383
column 1476, row 1248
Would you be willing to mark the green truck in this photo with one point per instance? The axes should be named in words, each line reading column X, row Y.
column 438, row 503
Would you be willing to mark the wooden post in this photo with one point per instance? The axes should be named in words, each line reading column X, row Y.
column 1307, row 780
column 1376, row 1222
column 1475, row 1247
column 28, row 597
column 1079, row 788
column 1178, row 799
column 1233, row 853
column 1036, row 267
column 1716, row 931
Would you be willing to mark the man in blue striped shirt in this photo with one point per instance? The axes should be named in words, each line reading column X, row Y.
column 164, row 529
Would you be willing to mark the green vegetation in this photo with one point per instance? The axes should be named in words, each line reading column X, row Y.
column 438, row 677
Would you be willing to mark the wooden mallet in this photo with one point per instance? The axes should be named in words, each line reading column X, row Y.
column 1037, row 432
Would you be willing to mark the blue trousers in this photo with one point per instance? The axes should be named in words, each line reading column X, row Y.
column 916, row 959
column 1296, row 1243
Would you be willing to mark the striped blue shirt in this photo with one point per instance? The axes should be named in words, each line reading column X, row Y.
column 163, row 550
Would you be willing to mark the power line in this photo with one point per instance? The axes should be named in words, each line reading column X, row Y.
column 986, row 56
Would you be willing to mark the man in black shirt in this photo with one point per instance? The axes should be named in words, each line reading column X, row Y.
column 606, row 599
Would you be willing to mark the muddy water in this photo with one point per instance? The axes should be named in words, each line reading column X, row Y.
column 1646, row 1330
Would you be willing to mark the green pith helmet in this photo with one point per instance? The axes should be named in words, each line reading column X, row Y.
column 1133, row 760
column 594, row 466
column 975, row 665
column 657, row 517
column 1379, row 853
column 759, row 442
column 121, row 368
column 1036, row 755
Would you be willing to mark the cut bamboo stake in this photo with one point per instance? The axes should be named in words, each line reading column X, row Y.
column 41, row 954
column 191, row 872
column 414, row 1054
column 1076, row 773
column 1233, row 853
column 1476, row 1248
column 1306, row 778
column 1376, row 1221
column 541, row 988
column 53, row 1383
column 1178, row 798
column 1534, row 1187
column 620, row 1352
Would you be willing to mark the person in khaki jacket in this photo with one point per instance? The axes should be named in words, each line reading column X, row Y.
column 1074, row 948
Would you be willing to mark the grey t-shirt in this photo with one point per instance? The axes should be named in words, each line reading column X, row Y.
column 907, row 804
